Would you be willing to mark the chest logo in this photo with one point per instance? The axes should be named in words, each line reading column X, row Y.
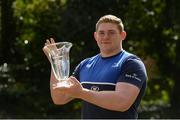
column 115, row 65
column 95, row 88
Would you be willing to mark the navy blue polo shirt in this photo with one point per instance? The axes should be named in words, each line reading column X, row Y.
column 99, row 74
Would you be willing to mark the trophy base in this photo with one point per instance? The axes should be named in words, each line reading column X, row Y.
column 62, row 83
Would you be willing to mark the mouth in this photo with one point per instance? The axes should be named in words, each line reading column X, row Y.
column 105, row 42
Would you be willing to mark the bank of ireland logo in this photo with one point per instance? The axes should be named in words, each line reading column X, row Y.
column 115, row 64
column 134, row 76
column 95, row 88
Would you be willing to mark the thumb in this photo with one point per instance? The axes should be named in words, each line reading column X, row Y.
column 46, row 52
column 74, row 80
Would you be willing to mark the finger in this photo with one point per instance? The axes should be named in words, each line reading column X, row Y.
column 61, row 87
column 46, row 44
column 74, row 80
column 71, row 82
column 52, row 40
column 47, row 41
column 72, row 77
column 54, row 85
column 46, row 49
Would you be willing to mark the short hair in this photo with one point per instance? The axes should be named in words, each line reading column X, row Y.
column 111, row 19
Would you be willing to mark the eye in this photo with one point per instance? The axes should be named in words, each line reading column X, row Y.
column 111, row 32
column 101, row 33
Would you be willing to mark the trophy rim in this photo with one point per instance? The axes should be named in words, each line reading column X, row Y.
column 58, row 43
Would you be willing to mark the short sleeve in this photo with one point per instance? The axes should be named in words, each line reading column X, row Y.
column 76, row 72
column 133, row 71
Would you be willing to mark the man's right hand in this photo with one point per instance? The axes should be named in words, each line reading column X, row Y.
column 45, row 48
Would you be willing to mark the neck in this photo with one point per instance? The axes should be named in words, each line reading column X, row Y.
column 110, row 53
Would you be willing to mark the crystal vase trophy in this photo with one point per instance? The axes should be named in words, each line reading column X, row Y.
column 59, row 58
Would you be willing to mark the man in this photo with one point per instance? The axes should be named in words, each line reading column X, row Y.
column 111, row 83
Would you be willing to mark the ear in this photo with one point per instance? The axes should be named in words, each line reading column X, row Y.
column 123, row 35
column 95, row 36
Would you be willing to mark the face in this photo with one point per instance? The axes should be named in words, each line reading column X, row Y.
column 109, row 38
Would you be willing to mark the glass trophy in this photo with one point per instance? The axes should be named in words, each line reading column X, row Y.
column 59, row 58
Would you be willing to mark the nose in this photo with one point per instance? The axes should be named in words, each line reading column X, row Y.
column 106, row 36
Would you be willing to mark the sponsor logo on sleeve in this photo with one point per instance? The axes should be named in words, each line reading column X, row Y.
column 134, row 76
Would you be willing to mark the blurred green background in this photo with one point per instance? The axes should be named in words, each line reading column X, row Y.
column 153, row 33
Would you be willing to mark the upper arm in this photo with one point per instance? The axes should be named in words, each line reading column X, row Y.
column 133, row 72
column 128, row 93
column 132, row 81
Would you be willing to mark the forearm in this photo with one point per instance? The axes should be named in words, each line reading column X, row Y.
column 111, row 100
column 58, row 97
